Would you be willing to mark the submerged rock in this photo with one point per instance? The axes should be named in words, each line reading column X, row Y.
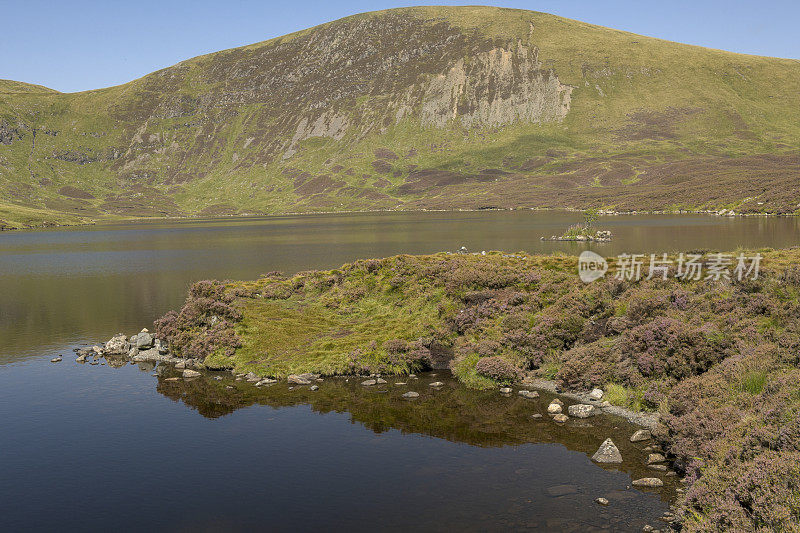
column 641, row 435
column 655, row 458
column 436, row 384
column 191, row 373
column 266, row 381
column 607, row 453
column 369, row 382
column 581, row 410
column 528, row 394
column 411, row 394
column 380, row 381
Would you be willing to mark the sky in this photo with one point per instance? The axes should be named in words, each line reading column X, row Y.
column 81, row 44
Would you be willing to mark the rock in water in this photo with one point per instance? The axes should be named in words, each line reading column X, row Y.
column 314, row 387
column 411, row 394
column 266, row 381
column 144, row 340
column 581, row 410
column 56, row 359
column 295, row 379
column 506, row 390
column 380, row 381
column 641, row 435
column 607, row 453
column 561, row 418
column 554, row 408
column 655, row 458
column 369, row 382
column 648, row 482
column 118, row 344
column 602, row 501
column 436, row 384
column 528, row 394
column 191, row 373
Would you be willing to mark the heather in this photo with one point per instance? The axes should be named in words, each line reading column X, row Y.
column 718, row 360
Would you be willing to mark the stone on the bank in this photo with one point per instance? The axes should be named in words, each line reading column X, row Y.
column 554, row 408
column 655, row 458
column 411, row 394
column 596, row 394
column 191, row 373
column 581, row 410
column 561, row 418
column 648, row 482
column 641, row 435
column 607, row 453
column 118, row 344
column 296, row 379
column 161, row 346
column 369, row 382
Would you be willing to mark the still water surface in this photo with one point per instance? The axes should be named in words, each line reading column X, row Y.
column 97, row 447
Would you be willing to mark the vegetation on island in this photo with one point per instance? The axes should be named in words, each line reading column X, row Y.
column 718, row 359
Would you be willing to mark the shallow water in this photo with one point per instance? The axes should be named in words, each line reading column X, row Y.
column 92, row 447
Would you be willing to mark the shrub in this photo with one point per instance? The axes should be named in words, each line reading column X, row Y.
column 496, row 368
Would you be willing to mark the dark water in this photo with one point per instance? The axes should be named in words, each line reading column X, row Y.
column 94, row 447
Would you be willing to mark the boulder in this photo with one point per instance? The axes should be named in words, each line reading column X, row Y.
column 554, row 409
column 411, row 394
column 641, row 435
column 581, row 410
column 161, row 346
column 150, row 355
column 607, row 453
column 296, row 379
column 118, row 344
column 596, row 394
column 648, row 482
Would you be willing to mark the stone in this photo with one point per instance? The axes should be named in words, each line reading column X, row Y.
column 191, row 374
column 118, row 344
column 400, row 383
column 81, row 358
column 660, row 468
column 536, row 416
column 411, row 394
column 641, row 435
column 296, row 379
column 369, row 382
column 161, row 346
column 506, row 390
column 97, row 349
column 133, row 352
column 144, row 340
column 380, row 381
column 648, row 482
column 56, row 359
column 553, row 409
column 581, row 410
column 528, row 394
column 150, row 355
column 436, row 384
column 654, row 458
column 601, row 501
column 605, row 404
column 561, row 418
column 607, row 453
column 557, row 401
column 557, row 491
column 314, row 387
column 181, row 365
column 596, row 394
column 266, row 381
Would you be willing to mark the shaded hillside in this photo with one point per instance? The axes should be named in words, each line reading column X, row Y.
column 443, row 107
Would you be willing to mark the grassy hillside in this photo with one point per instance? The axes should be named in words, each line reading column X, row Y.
column 440, row 107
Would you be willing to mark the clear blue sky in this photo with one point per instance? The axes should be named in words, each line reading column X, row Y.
column 76, row 45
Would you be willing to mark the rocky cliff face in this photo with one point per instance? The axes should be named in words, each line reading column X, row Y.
column 412, row 108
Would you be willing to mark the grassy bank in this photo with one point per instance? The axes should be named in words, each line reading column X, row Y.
column 717, row 359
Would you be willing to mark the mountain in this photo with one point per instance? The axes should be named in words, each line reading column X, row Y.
column 414, row 108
